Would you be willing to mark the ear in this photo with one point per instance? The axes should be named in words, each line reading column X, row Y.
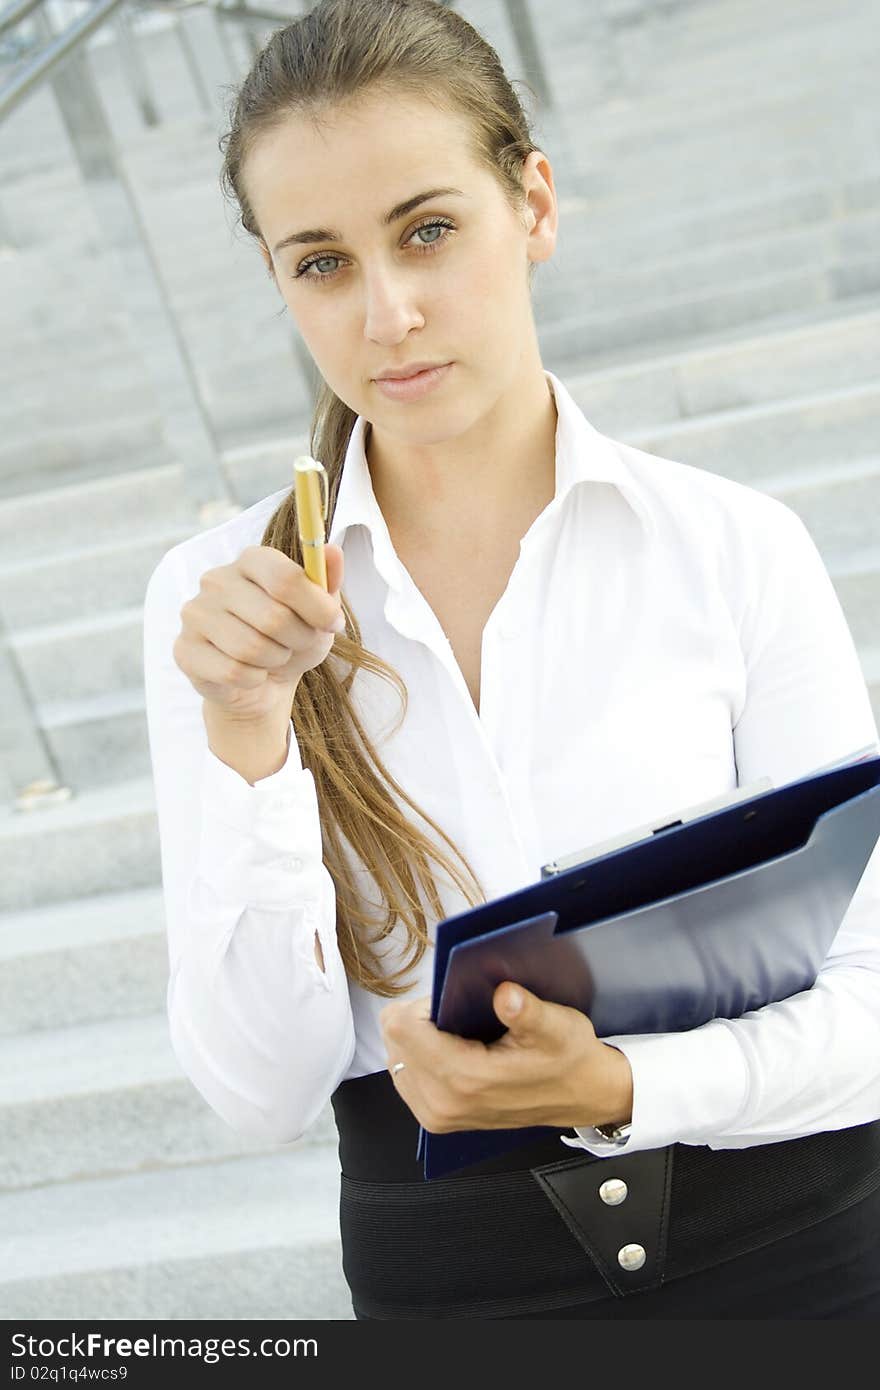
column 542, row 213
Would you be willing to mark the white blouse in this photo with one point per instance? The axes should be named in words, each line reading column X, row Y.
column 666, row 635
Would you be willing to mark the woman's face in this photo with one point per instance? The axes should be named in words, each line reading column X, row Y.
column 443, row 282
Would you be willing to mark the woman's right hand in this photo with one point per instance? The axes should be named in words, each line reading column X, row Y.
column 255, row 627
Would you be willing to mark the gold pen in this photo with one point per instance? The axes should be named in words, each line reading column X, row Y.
column 310, row 483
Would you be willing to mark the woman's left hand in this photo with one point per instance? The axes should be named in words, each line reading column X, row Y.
column 549, row 1068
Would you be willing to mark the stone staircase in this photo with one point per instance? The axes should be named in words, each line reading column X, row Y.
column 715, row 298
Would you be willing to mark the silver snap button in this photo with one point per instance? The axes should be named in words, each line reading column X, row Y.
column 613, row 1191
column 631, row 1257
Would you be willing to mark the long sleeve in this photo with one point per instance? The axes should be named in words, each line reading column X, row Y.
column 811, row 1062
column 261, row 1031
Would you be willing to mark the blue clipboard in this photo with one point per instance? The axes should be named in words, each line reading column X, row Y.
column 705, row 919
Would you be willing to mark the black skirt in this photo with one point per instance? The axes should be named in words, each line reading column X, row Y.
column 784, row 1230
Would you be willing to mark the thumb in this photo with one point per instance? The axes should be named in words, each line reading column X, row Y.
column 516, row 1006
column 335, row 561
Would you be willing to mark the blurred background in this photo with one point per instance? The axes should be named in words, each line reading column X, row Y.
column 714, row 299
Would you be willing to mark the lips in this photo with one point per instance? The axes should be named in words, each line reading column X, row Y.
column 405, row 372
column 416, row 386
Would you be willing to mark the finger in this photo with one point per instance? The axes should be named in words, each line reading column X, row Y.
column 335, row 561
column 245, row 623
column 287, row 582
column 206, row 665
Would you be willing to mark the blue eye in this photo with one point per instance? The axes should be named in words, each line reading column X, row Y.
column 422, row 248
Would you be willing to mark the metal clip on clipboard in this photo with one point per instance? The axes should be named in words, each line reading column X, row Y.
column 668, row 822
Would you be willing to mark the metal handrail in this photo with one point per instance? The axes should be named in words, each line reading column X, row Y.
column 240, row 11
column 17, row 88
column 16, row 12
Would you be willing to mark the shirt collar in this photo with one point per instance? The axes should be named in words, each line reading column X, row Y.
column 583, row 455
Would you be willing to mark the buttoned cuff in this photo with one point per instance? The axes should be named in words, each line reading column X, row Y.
column 261, row 844
column 229, row 797
column 688, row 1088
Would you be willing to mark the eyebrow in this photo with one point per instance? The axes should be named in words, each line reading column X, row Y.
column 327, row 234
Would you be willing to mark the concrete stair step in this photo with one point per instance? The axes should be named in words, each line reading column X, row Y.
column 836, row 243
column 88, row 959
column 55, row 377
column 871, row 667
column 858, row 587
column 97, row 740
column 108, row 1097
column 73, row 518
column 80, row 447
column 254, row 1237
column 636, row 225
column 753, row 443
column 672, row 54
column 598, row 355
column 839, row 506
column 97, row 581
column 817, row 356
column 675, row 323
column 51, row 656
column 794, row 137
column 660, row 113
column 55, row 308
column 106, row 836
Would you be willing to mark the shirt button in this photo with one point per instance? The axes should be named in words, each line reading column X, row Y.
column 631, row 1257
column 613, row 1192
column 292, row 863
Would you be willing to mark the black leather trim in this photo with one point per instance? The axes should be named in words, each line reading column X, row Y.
column 642, row 1218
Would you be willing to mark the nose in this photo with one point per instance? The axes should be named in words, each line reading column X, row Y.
column 390, row 308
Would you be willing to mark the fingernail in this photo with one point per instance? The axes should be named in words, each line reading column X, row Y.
column 339, row 625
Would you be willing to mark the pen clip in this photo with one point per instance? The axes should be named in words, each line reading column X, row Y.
column 325, row 491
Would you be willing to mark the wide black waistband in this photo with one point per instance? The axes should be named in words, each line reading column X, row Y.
column 520, row 1237
column 378, row 1136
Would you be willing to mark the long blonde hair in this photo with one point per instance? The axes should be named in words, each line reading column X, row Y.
column 337, row 51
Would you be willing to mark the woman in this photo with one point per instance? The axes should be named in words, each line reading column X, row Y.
column 547, row 638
